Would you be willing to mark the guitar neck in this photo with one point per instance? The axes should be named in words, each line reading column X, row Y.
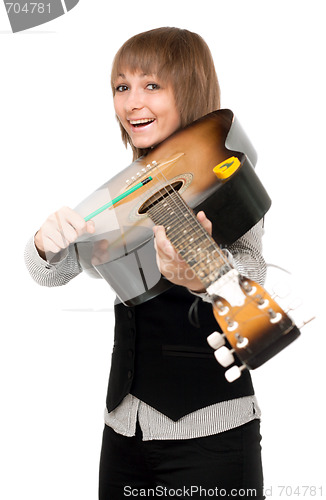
column 189, row 238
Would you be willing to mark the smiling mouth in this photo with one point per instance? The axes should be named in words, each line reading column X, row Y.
column 142, row 122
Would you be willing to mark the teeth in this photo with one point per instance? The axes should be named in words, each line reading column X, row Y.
column 137, row 122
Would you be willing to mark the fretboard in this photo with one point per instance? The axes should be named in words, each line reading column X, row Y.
column 189, row 238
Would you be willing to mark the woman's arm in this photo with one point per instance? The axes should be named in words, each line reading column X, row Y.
column 56, row 273
column 247, row 255
column 50, row 256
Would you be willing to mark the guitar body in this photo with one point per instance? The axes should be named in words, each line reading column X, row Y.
column 185, row 161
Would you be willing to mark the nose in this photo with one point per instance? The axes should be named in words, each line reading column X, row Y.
column 134, row 101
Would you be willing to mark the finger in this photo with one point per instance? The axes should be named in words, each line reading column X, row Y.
column 100, row 253
column 58, row 230
column 101, row 248
column 71, row 233
column 90, row 227
column 76, row 221
column 65, row 233
column 50, row 245
column 206, row 223
column 162, row 244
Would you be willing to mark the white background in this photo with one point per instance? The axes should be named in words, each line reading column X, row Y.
column 60, row 141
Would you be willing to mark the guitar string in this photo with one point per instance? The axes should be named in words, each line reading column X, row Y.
column 197, row 228
column 179, row 233
column 196, row 239
column 195, row 225
column 174, row 229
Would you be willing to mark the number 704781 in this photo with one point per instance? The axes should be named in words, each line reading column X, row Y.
column 28, row 8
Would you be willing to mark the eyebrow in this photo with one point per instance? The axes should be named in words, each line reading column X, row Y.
column 122, row 75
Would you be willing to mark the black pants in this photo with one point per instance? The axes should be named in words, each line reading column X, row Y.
column 222, row 465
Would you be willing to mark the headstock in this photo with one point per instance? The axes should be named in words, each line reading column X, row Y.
column 256, row 330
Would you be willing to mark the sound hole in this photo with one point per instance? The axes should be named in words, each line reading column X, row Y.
column 159, row 196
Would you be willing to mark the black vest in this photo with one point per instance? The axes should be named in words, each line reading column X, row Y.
column 163, row 359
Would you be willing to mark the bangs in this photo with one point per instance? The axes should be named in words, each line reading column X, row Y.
column 135, row 61
column 151, row 53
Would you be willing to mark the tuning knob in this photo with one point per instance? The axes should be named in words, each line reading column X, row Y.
column 233, row 373
column 216, row 340
column 224, row 356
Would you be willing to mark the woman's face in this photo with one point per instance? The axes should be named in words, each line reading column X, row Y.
column 146, row 108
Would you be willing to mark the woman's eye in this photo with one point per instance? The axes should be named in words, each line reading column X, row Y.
column 121, row 88
column 153, row 86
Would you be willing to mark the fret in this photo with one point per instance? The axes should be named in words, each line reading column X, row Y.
column 189, row 238
column 176, row 222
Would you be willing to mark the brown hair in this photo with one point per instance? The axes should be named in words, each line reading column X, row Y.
column 178, row 57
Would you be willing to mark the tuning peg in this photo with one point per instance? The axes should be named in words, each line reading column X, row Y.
column 216, row 340
column 274, row 317
column 242, row 342
column 234, row 373
column 248, row 288
column 224, row 356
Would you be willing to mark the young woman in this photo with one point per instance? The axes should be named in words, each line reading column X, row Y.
column 173, row 425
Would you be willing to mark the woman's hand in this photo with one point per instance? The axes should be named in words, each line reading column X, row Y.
column 60, row 230
column 171, row 265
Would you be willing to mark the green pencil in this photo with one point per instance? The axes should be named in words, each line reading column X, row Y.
column 118, row 198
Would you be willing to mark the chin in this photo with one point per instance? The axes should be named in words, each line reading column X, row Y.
column 143, row 144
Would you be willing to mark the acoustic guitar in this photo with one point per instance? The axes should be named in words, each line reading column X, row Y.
column 207, row 166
